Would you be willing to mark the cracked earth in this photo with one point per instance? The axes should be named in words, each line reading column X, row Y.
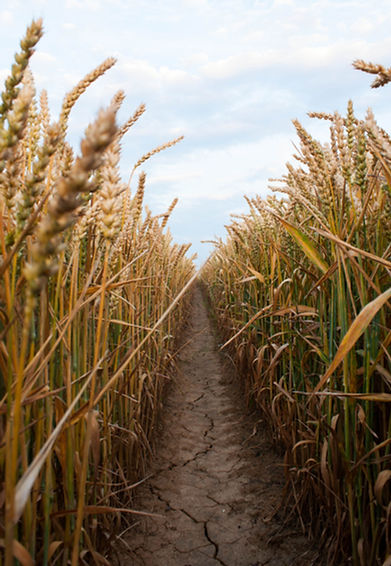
column 215, row 480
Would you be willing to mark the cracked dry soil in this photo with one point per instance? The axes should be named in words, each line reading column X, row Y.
column 216, row 480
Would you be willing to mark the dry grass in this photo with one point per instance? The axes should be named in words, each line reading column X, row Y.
column 302, row 287
column 91, row 298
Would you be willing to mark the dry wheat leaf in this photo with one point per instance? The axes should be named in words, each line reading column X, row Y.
column 358, row 326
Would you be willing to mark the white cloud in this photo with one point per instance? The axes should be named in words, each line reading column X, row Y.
column 94, row 5
column 44, row 57
column 305, row 56
column 283, row 3
column 6, row 17
column 219, row 174
column 234, row 65
column 363, row 25
column 144, row 76
column 174, row 177
column 195, row 59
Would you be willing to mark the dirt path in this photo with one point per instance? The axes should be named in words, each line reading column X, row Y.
column 215, row 481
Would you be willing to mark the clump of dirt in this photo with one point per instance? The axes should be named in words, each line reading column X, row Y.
column 216, row 481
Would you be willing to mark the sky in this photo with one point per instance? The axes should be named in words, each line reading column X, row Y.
column 229, row 75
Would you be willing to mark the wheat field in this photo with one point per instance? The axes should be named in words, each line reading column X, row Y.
column 94, row 295
column 302, row 288
column 91, row 298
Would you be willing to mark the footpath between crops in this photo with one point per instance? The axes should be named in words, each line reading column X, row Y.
column 215, row 480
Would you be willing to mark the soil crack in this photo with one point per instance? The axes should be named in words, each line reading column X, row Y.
column 197, row 455
column 216, row 546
